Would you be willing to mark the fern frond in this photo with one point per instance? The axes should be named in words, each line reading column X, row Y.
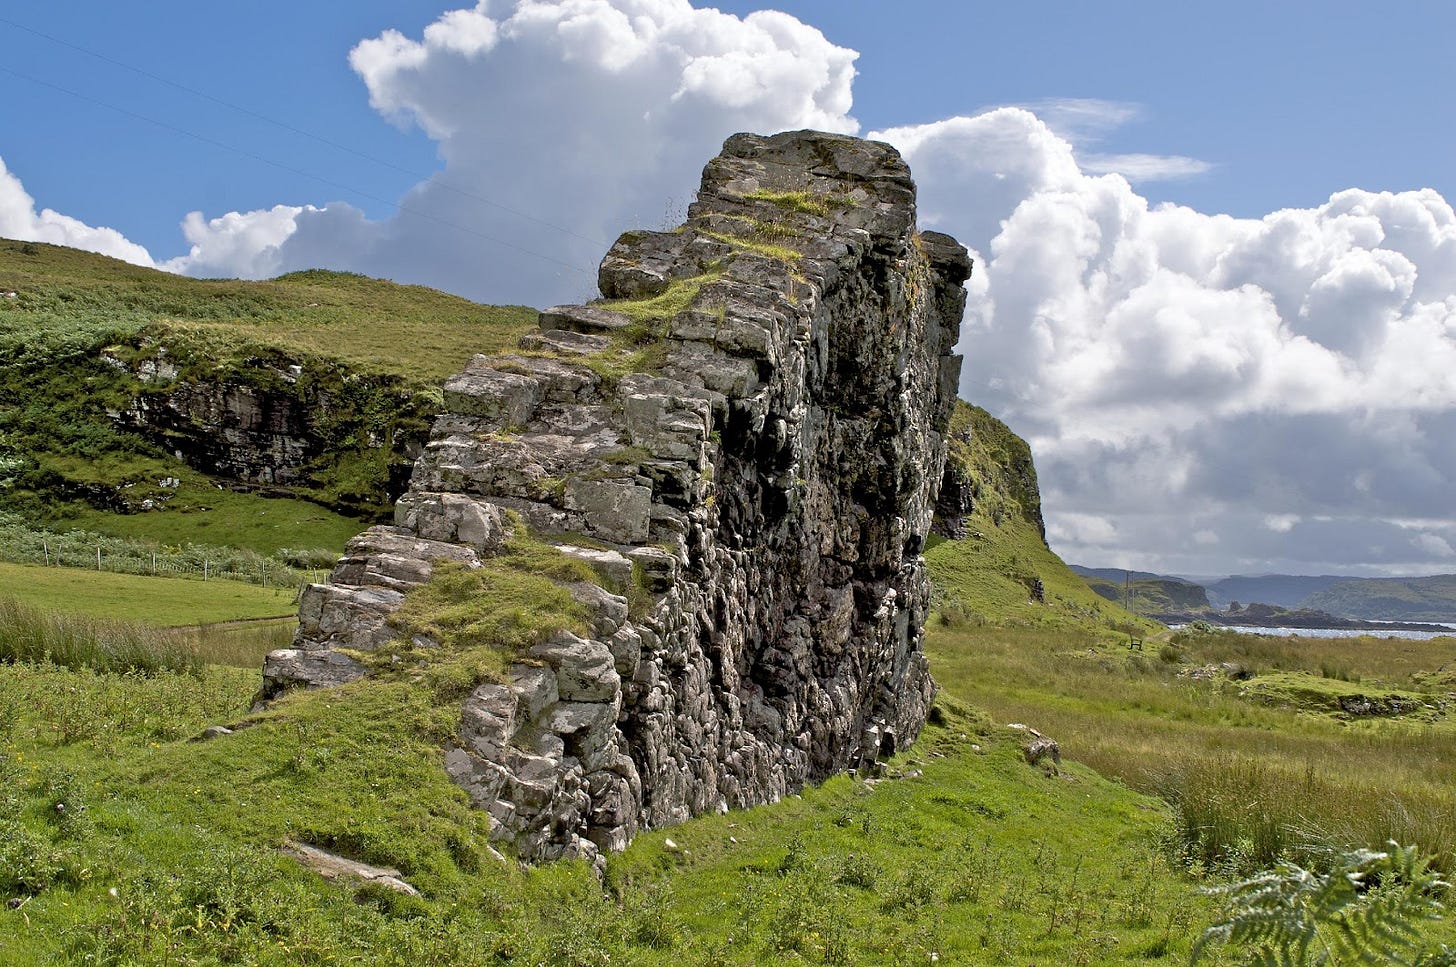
column 1365, row 909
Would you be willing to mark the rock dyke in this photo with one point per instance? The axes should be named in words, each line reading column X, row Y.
column 744, row 441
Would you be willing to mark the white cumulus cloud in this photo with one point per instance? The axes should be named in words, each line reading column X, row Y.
column 1178, row 372
column 20, row 220
column 237, row 246
column 559, row 124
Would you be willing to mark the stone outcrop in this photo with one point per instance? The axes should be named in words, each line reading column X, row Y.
column 744, row 442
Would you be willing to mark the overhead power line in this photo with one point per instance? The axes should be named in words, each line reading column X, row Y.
column 301, row 132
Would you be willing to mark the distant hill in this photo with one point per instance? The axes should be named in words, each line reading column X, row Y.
column 1390, row 599
column 1420, row 599
column 1283, row 590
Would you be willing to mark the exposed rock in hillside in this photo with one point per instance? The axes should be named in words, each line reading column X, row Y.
column 746, row 445
column 271, row 422
column 987, row 467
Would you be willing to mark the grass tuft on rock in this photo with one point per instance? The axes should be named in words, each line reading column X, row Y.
column 809, row 203
column 475, row 621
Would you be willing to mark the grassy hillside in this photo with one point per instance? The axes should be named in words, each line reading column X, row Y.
column 166, row 851
column 123, row 841
column 994, row 465
column 363, row 357
column 70, row 301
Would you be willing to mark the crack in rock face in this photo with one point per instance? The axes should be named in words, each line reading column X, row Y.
column 744, row 440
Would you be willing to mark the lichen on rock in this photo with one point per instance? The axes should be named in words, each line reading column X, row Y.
column 743, row 441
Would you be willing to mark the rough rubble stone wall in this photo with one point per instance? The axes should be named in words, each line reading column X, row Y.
column 762, row 496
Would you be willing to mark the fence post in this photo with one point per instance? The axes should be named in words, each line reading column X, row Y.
column 263, row 567
column 204, row 569
column 46, row 549
column 154, row 563
column 98, row 557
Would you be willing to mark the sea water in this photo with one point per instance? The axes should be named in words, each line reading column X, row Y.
column 1331, row 632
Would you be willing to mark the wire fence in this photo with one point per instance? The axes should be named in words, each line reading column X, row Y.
column 20, row 544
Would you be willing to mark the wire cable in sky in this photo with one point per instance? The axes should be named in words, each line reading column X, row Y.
column 165, row 125
column 283, row 125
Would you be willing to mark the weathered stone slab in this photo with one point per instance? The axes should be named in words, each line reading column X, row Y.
column 615, row 511
column 338, row 616
column 287, row 668
column 396, row 559
column 507, row 398
column 585, row 319
column 332, row 866
column 456, row 518
column 565, row 341
column 585, row 670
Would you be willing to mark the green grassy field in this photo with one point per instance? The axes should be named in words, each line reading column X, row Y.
column 203, row 514
column 967, row 853
column 1256, row 768
column 962, row 850
column 163, row 602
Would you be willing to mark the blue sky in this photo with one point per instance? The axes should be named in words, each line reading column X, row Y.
column 1269, row 391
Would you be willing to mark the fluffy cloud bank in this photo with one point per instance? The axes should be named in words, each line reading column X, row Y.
column 1280, row 391
column 559, row 124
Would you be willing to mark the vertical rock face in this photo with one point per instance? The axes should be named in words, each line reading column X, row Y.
column 744, row 440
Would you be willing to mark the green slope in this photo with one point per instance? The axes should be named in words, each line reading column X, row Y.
column 68, row 300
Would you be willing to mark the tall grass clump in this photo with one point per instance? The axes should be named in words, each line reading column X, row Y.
column 105, row 646
column 241, row 644
column 1235, row 814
